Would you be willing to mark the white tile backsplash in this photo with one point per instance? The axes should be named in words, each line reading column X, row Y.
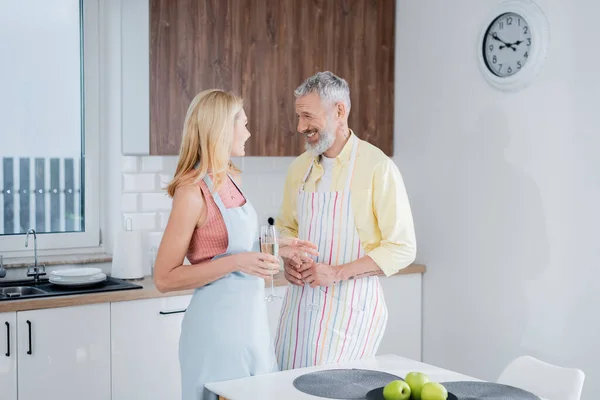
column 129, row 202
column 163, row 218
column 165, row 179
column 158, row 164
column 257, row 165
column 130, row 164
column 281, row 164
column 155, row 201
column 152, row 164
column 140, row 221
column 145, row 201
column 141, row 182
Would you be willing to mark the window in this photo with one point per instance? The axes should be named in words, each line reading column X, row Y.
column 49, row 129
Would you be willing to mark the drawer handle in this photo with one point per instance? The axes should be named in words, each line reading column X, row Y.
column 7, row 339
column 29, row 351
column 172, row 312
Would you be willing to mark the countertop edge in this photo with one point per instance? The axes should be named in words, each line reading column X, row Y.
column 148, row 291
column 47, row 261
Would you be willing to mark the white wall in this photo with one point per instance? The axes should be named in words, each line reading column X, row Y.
column 505, row 190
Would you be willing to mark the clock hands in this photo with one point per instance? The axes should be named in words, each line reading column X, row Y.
column 495, row 36
column 506, row 45
column 518, row 42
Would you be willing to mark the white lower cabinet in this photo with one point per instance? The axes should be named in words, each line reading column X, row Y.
column 145, row 342
column 64, row 353
column 8, row 356
column 403, row 331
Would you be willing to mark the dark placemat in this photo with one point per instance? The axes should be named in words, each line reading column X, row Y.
column 377, row 394
column 487, row 391
column 342, row 383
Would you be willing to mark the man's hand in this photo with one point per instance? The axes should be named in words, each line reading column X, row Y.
column 294, row 253
column 319, row 274
column 294, row 266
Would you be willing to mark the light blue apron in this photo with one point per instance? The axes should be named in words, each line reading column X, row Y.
column 225, row 331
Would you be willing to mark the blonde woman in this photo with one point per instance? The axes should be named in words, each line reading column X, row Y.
column 225, row 333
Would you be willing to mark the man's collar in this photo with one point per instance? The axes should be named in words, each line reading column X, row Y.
column 346, row 152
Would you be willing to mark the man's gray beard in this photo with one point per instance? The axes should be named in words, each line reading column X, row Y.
column 326, row 139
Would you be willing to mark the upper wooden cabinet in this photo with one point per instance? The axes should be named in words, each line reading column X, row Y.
column 262, row 50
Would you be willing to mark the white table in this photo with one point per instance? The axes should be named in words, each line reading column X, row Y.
column 279, row 386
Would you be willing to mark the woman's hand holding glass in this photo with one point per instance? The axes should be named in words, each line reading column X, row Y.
column 262, row 265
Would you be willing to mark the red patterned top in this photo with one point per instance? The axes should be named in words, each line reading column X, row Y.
column 211, row 238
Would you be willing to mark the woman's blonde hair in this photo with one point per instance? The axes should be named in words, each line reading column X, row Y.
column 207, row 139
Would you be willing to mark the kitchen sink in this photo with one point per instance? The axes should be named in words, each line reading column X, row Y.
column 19, row 291
column 28, row 289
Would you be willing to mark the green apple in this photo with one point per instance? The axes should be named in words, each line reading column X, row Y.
column 396, row 390
column 416, row 380
column 434, row 391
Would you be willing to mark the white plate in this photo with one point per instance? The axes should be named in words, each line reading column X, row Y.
column 76, row 272
column 92, row 280
column 76, row 279
column 79, row 279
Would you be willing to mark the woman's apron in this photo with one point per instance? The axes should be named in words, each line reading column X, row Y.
column 338, row 323
column 225, row 331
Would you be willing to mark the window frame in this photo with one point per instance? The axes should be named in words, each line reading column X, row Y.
column 87, row 241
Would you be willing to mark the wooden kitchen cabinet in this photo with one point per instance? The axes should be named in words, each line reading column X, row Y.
column 64, row 353
column 145, row 348
column 261, row 50
column 8, row 355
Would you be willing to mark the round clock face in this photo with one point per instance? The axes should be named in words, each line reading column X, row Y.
column 507, row 45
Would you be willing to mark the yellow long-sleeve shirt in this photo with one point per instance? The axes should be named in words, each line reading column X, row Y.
column 379, row 201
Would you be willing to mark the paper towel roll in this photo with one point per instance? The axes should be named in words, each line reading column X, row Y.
column 128, row 255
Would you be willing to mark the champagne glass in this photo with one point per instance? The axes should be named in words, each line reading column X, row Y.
column 269, row 245
column 310, row 305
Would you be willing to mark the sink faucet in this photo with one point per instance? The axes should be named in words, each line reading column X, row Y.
column 2, row 269
column 36, row 271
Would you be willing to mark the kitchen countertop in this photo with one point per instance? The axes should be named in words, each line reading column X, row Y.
column 279, row 385
column 148, row 291
column 47, row 261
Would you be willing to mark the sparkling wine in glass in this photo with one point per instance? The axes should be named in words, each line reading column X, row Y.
column 269, row 245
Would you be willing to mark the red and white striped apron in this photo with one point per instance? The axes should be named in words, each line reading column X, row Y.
column 338, row 323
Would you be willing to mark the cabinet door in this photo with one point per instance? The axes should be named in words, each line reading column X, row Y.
column 402, row 335
column 8, row 356
column 135, row 78
column 64, row 353
column 145, row 348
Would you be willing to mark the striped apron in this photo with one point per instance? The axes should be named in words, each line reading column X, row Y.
column 338, row 323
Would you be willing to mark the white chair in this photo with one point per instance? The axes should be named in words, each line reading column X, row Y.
column 547, row 381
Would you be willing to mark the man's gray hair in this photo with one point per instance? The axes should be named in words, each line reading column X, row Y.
column 330, row 88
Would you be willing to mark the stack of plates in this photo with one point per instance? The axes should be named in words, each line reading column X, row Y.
column 77, row 276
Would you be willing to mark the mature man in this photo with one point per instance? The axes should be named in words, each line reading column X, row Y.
column 347, row 197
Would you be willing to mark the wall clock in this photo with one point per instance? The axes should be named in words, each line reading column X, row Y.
column 513, row 44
